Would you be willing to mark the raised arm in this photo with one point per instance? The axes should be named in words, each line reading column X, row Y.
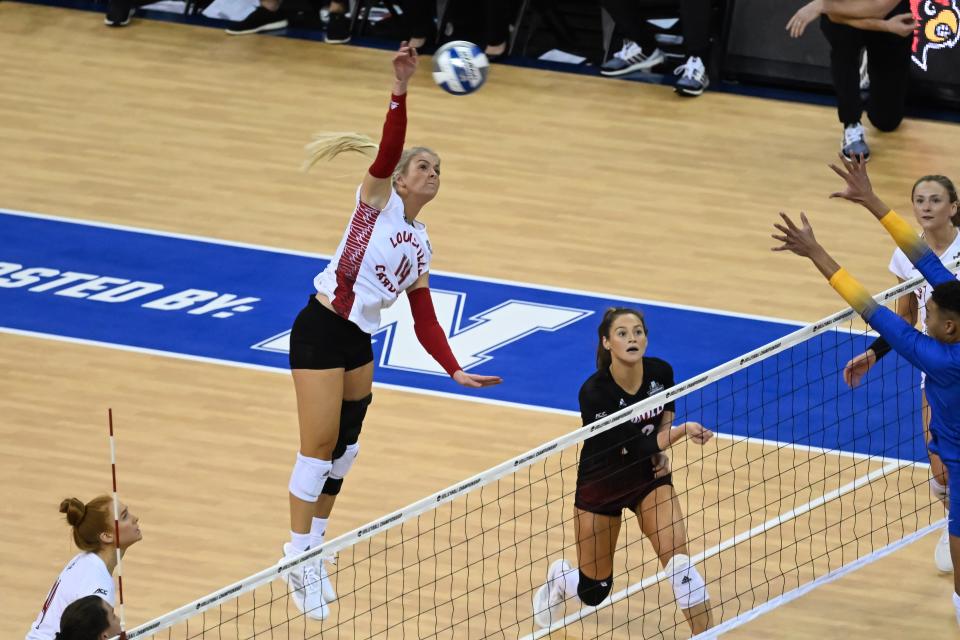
column 858, row 189
column 377, row 183
column 858, row 366
column 927, row 354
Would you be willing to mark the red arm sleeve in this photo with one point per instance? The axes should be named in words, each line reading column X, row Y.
column 428, row 330
column 391, row 142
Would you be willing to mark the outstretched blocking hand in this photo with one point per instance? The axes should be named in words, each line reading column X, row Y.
column 798, row 240
column 474, row 381
column 854, row 173
column 405, row 62
column 801, row 241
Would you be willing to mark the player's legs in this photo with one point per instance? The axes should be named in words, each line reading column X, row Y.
column 596, row 537
column 357, row 385
column 888, row 63
column 938, row 488
column 591, row 583
column 955, row 553
column 323, row 347
column 319, row 396
column 331, row 359
column 661, row 520
column 950, row 453
column 319, row 393
column 937, row 468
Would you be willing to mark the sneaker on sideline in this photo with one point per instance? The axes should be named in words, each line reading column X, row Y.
column 693, row 77
column 119, row 13
column 338, row 29
column 629, row 59
column 260, row 20
column 854, row 142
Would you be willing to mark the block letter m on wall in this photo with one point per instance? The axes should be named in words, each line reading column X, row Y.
column 485, row 332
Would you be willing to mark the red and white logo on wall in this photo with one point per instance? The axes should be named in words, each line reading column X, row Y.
column 938, row 27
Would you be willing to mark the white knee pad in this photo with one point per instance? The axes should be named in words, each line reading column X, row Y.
column 342, row 464
column 938, row 490
column 688, row 586
column 308, row 477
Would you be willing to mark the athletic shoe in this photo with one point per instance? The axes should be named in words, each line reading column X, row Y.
column 260, row 20
column 693, row 77
column 855, row 143
column 548, row 600
column 305, row 588
column 326, row 586
column 119, row 13
column 629, row 59
column 338, row 29
column 941, row 553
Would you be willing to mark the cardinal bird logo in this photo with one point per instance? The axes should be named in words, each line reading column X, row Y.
column 938, row 27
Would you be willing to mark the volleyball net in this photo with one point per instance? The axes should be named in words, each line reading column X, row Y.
column 805, row 481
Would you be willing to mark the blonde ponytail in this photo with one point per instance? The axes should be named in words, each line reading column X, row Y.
column 327, row 146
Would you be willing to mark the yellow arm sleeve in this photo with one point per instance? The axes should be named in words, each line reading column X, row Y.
column 905, row 237
column 851, row 291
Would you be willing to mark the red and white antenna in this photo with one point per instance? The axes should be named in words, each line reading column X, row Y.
column 116, row 525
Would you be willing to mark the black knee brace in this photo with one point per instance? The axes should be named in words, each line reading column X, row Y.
column 352, row 413
column 331, row 486
column 592, row 592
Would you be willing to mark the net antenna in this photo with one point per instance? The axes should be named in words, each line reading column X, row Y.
column 116, row 525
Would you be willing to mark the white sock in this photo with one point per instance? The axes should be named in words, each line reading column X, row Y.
column 956, row 606
column 318, row 529
column 299, row 542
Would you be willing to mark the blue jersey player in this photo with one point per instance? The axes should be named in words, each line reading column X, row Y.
column 936, row 354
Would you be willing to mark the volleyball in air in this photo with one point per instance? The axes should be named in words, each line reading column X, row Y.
column 460, row 67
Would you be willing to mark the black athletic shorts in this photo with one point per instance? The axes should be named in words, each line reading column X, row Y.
column 610, row 489
column 323, row 340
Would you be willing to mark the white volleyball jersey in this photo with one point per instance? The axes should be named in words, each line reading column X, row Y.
column 85, row 575
column 379, row 256
column 901, row 267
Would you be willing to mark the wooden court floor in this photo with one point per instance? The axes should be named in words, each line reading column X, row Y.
column 549, row 178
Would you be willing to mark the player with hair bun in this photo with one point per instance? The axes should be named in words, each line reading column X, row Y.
column 90, row 572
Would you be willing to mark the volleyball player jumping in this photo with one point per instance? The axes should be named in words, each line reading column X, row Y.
column 384, row 252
